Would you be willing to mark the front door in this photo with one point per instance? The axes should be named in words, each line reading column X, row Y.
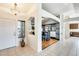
column 7, row 33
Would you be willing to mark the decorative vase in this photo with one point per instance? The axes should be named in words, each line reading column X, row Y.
column 22, row 43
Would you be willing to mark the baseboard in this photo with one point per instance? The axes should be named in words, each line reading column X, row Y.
column 7, row 48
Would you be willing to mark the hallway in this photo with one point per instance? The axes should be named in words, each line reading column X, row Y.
column 70, row 47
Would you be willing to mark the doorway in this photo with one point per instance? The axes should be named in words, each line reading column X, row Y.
column 50, row 32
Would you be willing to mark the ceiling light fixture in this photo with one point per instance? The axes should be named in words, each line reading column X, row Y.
column 14, row 8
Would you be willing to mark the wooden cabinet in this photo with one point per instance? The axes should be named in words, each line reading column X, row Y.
column 73, row 26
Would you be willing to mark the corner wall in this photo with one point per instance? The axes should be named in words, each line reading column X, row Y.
column 34, row 41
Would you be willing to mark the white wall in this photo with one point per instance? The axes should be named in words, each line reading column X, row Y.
column 31, row 39
column 7, row 33
column 38, row 25
column 34, row 41
column 7, row 42
column 61, row 28
column 67, row 31
column 66, row 27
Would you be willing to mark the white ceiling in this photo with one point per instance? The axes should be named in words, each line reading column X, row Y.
column 76, row 7
column 23, row 9
column 59, row 8
column 26, row 8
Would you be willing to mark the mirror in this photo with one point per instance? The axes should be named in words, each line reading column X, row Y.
column 21, row 29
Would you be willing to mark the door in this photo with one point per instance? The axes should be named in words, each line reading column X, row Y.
column 7, row 33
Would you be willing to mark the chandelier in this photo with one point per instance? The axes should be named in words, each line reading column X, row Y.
column 14, row 9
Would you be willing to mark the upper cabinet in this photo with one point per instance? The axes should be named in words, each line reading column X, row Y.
column 74, row 26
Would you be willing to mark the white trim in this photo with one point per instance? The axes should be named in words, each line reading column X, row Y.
column 49, row 15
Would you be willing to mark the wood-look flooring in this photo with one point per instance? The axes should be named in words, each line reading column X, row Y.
column 18, row 51
column 66, row 47
column 48, row 43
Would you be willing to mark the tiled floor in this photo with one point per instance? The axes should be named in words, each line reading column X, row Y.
column 70, row 47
